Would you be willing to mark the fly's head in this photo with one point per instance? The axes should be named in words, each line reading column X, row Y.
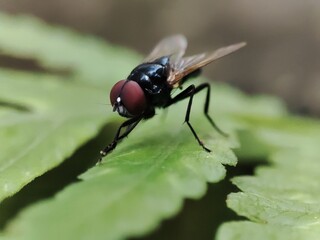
column 128, row 98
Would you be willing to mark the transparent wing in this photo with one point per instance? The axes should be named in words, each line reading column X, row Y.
column 174, row 46
column 187, row 65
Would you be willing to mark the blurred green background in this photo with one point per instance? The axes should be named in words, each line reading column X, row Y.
column 283, row 53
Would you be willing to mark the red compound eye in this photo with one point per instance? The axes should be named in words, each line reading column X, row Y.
column 115, row 91
column 131, row 95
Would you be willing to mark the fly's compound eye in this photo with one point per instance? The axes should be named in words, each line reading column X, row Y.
column 115, row 91
column 128, row 98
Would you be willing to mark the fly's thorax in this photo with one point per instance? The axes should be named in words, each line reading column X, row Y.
column 152, row 78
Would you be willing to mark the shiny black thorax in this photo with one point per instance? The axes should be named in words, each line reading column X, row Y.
column 152, row 78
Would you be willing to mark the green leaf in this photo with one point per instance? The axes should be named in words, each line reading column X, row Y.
column 59, row 118
column 138, row 185
column 249, row 230
column 281, row 200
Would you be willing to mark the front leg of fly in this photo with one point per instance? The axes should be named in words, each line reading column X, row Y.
column 129, row 125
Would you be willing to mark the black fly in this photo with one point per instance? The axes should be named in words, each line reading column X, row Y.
column 150, row 84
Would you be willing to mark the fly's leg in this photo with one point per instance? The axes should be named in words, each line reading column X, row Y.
column 130, row 125
column 190, row 92
column 206, row 107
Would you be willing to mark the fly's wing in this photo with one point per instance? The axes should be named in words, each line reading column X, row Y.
column 184, row 66
column 173, row 46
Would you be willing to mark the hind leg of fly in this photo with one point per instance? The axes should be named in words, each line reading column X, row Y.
column 206, row 107
column 190, row 92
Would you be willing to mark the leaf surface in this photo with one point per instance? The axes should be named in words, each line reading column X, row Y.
column 57, row 120
column 281, row 200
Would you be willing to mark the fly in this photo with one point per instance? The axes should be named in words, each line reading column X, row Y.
column 150, row 84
